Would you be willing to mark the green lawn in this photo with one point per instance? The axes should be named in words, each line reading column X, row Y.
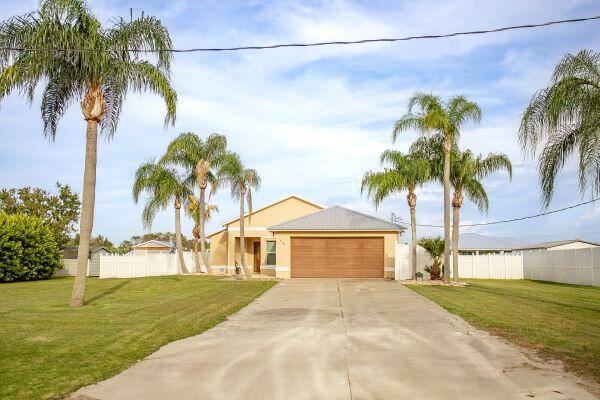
column 560, row 321
column 48, row 349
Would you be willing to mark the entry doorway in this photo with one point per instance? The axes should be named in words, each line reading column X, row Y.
column 257, row 257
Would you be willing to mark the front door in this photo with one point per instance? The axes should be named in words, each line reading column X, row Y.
column 257, row 257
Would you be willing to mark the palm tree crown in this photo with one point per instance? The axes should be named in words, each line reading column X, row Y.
column 98, row 70
column 403, row 172
column 163, row 185
column 566, row 115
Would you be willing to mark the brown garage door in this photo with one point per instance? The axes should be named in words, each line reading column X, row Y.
column 337, row 257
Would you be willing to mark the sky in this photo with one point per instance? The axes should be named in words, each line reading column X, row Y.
column 313, row 120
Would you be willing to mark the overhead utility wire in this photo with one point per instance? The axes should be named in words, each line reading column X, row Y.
column 315, row 44
column 516, row 219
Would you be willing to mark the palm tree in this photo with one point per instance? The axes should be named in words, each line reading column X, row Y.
column 465, row 176
column 200, row 158
column 446, row 118
column 566, row 115
column 434, row 246
column 241, row 181
column 163, row 186
column 193, row 209
column 404, row 172
column 90, row 65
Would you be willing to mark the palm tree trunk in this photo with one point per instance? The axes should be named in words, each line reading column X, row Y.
column 196, row 255
column 184, row 270
column 86, row 222
column 456, row 203
column 447, row 147
column 412, row 202
column 242, row 237
column 201, row 227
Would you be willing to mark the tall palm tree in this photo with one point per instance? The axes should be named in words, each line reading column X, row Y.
column 566, row 115
column 193, row 209
column 466, row 174
column 163, row 186
column 432, row 115
column 403, row 172
column 200, row 158
column 90, row 66
column 241, row 181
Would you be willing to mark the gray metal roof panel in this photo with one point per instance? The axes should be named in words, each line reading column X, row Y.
column 337, row 218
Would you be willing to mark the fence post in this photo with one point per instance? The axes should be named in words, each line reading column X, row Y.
column 504, row 260
column 592, row 264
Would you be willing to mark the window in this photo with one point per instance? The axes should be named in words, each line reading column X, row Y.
column 271, row 250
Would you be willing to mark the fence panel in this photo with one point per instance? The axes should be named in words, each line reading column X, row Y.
column 148, row 264
column 575, row 266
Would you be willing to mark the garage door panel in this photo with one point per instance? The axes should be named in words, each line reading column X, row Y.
column 337, row 257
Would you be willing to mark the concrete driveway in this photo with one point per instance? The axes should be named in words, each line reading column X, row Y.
column 339, row 339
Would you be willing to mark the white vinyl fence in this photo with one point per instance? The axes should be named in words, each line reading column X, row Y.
column 148, row 264
column 484, row 266
column 577, row 266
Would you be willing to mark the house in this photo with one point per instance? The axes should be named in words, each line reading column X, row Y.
column 571, row 244
column 475, row 243
column 297, row 237
column 70, row 260
column 153, row 246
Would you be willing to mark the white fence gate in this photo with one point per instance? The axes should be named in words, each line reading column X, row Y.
column 148, row 264
column 577, row 266
column 484, row 266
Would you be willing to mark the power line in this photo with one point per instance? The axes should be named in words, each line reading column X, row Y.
column 332, row 43
column 515, row 219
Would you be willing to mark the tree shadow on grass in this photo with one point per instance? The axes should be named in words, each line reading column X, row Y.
column 105, row 293
column 532, row 298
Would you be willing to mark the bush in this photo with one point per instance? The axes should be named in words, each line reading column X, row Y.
column 28, row 249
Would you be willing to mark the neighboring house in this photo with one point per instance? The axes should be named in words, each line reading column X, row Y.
column 475, row 243
column 296, row 237
column 576, row 243
column 70, row 260
column 153, row 246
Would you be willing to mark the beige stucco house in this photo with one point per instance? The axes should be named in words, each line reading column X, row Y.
column 296, row 237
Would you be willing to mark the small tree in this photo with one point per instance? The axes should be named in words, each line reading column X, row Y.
column 434, row 246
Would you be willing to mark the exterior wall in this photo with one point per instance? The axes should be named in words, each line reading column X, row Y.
column 151, row 249
column 218, row 249
column 284, row 255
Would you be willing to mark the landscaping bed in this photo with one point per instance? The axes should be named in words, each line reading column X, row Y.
column 49, row 349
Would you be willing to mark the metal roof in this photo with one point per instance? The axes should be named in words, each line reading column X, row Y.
column 476, row 241
column 549, row 245
column 337, row 219
column 158, row 242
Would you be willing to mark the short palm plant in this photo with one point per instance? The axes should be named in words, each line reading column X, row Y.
column 199, row 158
column 91, row 68
column 466, row 174
column 429, row 114
column 434, row 246
column 164, row 187
column 193, row 209
column 566, row 115
column 402, row 173
column 241, row 181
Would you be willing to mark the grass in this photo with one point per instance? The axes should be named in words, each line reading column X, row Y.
column 560, row 321
column 48, row 349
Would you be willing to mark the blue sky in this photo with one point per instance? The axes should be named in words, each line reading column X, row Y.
column 313, row 120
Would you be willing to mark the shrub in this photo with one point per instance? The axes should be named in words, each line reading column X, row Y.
column 28, row 249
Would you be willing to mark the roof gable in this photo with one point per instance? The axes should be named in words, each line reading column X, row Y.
column 337, row 218
column 270, row 205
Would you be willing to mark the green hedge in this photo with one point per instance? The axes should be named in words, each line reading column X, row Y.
column 28, row 249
